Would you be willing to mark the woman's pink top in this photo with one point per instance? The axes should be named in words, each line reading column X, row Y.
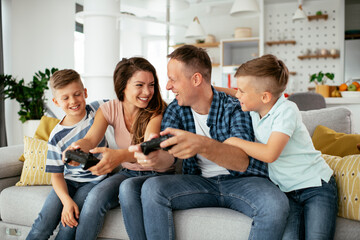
column 114, row 115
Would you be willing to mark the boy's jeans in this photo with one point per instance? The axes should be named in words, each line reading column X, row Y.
column 50, row 214
column 256, row 197
column 312, row 212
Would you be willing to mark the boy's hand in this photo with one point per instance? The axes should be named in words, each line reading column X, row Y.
column 67, row 216
column 73, row 146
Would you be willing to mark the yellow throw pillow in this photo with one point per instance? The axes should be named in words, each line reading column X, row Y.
column 33, row 172
column 327, row 141
column 347, row 176
column 44, row 129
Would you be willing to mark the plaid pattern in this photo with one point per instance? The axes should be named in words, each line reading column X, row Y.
column 226, row 119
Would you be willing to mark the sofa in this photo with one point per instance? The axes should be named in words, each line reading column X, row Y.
column 19, row 206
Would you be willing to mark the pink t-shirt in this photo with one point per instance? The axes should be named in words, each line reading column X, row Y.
column 114, row 115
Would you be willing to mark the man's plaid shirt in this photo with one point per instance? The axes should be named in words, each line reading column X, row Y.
column 225, row 120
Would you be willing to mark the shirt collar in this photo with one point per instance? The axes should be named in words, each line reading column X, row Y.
column 280, row 100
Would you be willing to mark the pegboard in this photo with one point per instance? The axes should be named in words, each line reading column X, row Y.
column 309, row 36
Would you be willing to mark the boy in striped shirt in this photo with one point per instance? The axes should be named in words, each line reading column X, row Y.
column 71, row 184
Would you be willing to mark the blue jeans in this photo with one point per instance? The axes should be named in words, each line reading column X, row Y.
column 50, row 214
column 130, row 202
column 253, row 196
column 99, row 201
column 312, row 212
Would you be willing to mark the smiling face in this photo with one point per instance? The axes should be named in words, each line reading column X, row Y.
column 179, row 83
column 249, row 96
column 139, row 89
column 71, row 99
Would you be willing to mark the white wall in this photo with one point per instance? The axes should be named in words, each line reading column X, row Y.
column 41, row 36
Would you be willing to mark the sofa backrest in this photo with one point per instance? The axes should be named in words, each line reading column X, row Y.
column 336, row 118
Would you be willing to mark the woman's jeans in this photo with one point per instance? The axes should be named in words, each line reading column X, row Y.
column 312, row 212
column 50, row 214
column 255, row 197
column 130, row 202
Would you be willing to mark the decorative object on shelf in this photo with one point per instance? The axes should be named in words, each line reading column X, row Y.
column 195, row 29
column 333, row 51
column 202, row 45
column 316, row 17
column 270, row 43
column 200, row 41
column 299, row 13
column 320, row 79
column 244, row 7
column 210, row 38
column 30, row 97
column 242, row 32
column 324, row 52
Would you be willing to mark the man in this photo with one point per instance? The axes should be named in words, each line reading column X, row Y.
column 215, row 174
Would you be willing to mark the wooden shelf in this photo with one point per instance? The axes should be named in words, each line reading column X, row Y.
column 281, row 42
column 319, row 56
column 317, row 17
column 292, row 73
column 352, row 36
column 215, row 64
column 202, row 45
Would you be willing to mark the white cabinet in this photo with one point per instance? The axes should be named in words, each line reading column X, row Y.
column 235, row 52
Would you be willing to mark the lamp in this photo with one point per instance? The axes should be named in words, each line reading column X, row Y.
column 244, row 7
column 299, row 14
column 195, row 29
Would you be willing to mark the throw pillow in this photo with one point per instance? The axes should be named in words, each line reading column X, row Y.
column 327, row 141
column 347, row 176
column 44, row 129
column 33, row 172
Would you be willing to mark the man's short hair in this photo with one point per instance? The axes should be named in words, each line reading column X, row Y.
column 196, row 60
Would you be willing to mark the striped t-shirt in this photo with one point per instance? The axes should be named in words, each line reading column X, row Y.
column 62, row 136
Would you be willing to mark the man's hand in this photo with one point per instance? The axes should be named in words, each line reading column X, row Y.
column 186, row 144
column 111, row 158
column 69, row 214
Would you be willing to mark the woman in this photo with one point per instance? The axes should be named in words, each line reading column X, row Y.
column 135, row 114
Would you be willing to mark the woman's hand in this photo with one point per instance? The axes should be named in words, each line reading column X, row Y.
column 111, row 158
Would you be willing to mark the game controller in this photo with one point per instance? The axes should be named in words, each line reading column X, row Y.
column 154, row 144
column 86, row 160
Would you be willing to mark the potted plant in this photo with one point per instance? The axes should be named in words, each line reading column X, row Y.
column 320, row 79
column 31, row 96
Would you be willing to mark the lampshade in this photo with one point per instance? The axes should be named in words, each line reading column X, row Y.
column 244, row 7
column 195, row 29
column 299, row 14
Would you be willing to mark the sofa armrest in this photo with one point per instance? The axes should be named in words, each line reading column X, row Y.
column 10, row 166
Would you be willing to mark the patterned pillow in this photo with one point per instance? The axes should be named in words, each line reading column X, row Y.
column 347, row 176
column 33, row 172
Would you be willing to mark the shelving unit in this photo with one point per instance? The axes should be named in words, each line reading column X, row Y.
column 317, row 17
column 292, row 73
column 202, row 45
column 281, row 42
column 319, row 56
column 237, row 51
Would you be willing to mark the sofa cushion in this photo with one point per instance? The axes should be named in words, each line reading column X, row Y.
column 21, row 205
column 44, row 129
column 330, row 142
column 336, row 118
column 347, row 176
column 33, row 172
column 9, row 166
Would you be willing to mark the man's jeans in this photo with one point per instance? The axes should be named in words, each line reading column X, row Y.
column 255, row 197
column 312, row 212
column 130, row 202
column 50, row 214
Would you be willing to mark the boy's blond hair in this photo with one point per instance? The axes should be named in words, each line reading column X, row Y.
column 271, row 73
column 62, row 78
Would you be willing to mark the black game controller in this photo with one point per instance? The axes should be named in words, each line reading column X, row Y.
column 86, row 160
column 154, row 144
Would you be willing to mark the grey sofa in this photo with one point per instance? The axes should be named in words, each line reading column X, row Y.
column 19, row 206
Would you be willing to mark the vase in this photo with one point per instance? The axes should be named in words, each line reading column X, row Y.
column 324, row 90
column 29, row 127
